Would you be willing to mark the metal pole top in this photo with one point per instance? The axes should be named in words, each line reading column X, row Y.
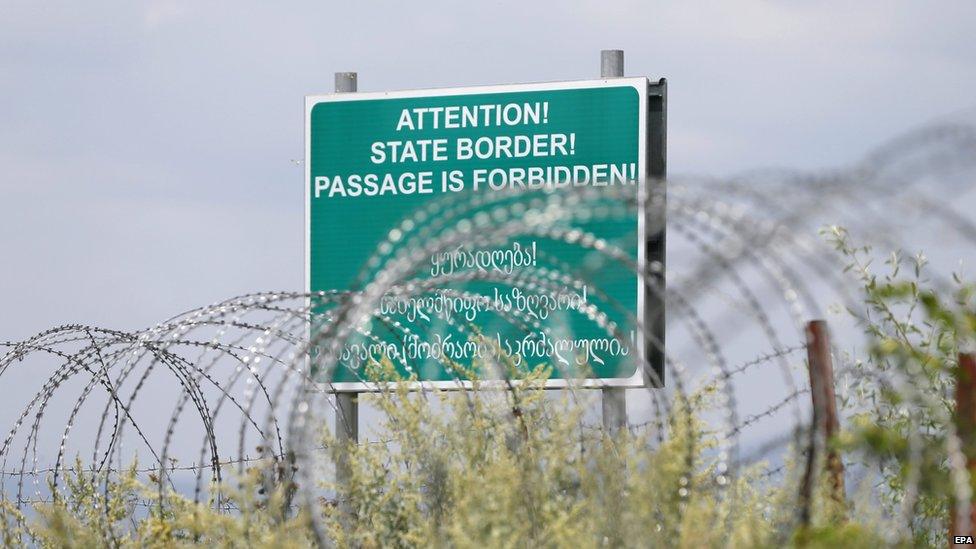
column 345, row 82
column 611, row 63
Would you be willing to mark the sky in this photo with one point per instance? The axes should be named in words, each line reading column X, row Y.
column 149, row 151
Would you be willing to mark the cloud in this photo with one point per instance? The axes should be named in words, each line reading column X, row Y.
column 195, row 110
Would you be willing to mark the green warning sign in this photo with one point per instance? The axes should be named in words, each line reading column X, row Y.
column 375, row 159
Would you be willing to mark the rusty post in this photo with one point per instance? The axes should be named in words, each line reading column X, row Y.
column 825, row 424
column 966, row 429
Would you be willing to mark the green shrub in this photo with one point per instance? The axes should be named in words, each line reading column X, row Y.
column 518, row 466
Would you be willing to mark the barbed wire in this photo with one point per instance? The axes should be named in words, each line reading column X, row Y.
column 261, row 370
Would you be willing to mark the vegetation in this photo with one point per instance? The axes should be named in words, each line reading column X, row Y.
column 520, row 468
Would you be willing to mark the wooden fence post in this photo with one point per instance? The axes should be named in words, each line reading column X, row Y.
column 966, row 429
column 825, row 424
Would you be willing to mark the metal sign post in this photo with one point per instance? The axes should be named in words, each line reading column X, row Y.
column 614, row 398
column 347, row 403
